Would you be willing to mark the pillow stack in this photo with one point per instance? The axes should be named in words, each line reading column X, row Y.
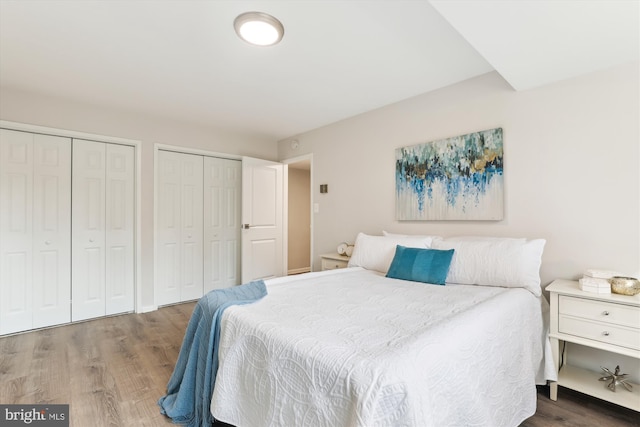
column 466, row 260
column 377, row 252
column 596, row 281
column 495, row 261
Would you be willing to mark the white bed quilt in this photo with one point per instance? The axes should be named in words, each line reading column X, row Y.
column 353, row 348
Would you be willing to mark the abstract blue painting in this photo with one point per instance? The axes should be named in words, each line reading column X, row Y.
column 459, row 178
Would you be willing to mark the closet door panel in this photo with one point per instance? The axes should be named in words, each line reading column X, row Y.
column 16, row 231
column 232, row 263
column 213, row 217
column 232, row 205
column 119, row 226
column 222, row 181
column 192, row 227
column 88, row 230
column 51, row 230
column 168, row 229
column 205, row 201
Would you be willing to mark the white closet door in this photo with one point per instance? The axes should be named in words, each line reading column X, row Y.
column 179, row 228
column 191, row 221
column 51, row 230
column 222, row 203
column 88, row 230
column 16, row 232
column 167, row 265
column 34, row 230
column 119, row 228
column 103, row 229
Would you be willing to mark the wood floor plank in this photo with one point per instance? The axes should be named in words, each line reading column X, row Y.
column 49, row 354
column 15, row 360
column 574, row 409
column 15, row 355
column 112, row 372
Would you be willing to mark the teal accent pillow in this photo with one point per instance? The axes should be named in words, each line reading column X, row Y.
column 420, row 265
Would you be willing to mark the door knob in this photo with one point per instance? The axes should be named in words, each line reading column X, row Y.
column 246, row 226
column 47, row 242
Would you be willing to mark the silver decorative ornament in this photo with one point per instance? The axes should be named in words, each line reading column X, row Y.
column 616, row 379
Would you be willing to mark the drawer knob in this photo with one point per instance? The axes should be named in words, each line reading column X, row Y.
column 605, row 313
column 605, row 333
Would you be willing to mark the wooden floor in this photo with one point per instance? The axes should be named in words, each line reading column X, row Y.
column 112, row 371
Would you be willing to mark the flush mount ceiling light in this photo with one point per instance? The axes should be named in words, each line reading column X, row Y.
column 258, row 28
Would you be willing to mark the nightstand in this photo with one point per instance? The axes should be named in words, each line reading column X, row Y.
column 608, row 322
column 333, row 261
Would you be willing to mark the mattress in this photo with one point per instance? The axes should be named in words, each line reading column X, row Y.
column 351, row 347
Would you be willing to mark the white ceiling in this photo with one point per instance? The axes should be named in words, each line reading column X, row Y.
column 182, row 59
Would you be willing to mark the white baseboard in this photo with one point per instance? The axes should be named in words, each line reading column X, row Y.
column 148, row 308
column 298, row 270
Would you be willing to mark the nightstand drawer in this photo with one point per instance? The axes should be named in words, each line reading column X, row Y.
column 600, row 331
column 610, row 313
column 332, row 264
column 334, row 261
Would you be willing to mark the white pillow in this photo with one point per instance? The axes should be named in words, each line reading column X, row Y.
column 424, row 236
column 495, row 261
column 376, row 252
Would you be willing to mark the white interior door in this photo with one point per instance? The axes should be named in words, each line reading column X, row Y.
column 119, row 229
column 262, row 219
column 222, row 205
column 167, row 265
column 16, row 231
column 34, row 230
column 191, row 222
column 103, row 277
column 179, row 227
column 51, row 230
column 88, row 230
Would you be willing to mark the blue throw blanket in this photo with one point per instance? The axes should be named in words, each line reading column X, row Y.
column 190, row 388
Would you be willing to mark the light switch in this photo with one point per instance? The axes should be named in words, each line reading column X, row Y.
column 316, row 207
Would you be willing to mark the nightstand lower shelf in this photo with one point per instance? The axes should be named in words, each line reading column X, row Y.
column 586, row 381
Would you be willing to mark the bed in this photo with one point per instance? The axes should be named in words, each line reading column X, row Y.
column 353, row 347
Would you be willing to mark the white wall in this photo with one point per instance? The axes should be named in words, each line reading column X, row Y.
column 572, row 163
column 572, row 167
column 23, row 107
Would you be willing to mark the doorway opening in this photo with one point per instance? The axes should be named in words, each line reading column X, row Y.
column 299, row 213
